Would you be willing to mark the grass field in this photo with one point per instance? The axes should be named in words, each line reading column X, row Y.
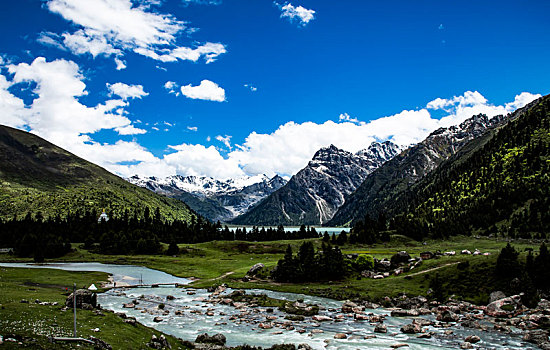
column 217, row 262
column 35, row 323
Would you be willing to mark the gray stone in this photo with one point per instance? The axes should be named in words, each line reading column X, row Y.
column 537, row 336
column 381, row 328
column 255, row 269
column 216, row 339
column 411, row 328
column 472, row 339
column 496, row 295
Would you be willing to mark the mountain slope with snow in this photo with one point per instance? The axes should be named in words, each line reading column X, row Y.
column 313, row 195
column 214, row 199
column 386, row 183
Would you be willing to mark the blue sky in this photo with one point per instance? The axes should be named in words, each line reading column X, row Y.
column 232, row 88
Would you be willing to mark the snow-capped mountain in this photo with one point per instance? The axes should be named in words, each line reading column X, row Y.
column 313, row 195
column 214, row 199
column 398, row 174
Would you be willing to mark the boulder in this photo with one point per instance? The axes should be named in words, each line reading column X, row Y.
column 159, row 342
column 447, row 316
column 84, row 299
column 472, row 339
column 381, row 328
column 504, row 307
column 400, row 258
column 216, row 339
column 537, row 336
column 466, row 345
column 383, row 265
column 340, row 336
column 400, row 345
column 321, row 318
column 496, row 295
column 131, row 321
column 304, row 347
column 255, row 269
column 411, row 328
column 100, row 344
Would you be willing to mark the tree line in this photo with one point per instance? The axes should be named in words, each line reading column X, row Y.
column 130, row 233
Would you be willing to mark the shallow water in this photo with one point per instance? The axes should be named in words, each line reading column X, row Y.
column 244, row 329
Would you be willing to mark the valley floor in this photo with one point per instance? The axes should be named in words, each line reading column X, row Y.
column 218, row 262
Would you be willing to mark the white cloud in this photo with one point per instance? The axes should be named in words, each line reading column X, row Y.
column 50, row 39
column 189, row 160
column 207, row 90
column 109, row 27
column 126, row 91
column 172, row 87
column 13, row 109
column 226, row 140
column 192, row 128
column 57, row 115
column 344, row 117
column 120, row 64
column 130, row 130
column 89, row 41
column 303, row 15
column 251, row 87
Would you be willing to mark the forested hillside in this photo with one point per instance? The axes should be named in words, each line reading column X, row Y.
column 498, row 184
column 39, row 177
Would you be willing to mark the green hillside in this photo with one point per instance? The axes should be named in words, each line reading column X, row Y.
column 499, row 184
column 37, row 176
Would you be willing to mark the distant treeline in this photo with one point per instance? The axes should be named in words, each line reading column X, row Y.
column 128, row 234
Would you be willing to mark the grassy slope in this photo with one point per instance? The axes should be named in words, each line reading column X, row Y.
column 211, row 262
column 36, row 175
column 39, row 321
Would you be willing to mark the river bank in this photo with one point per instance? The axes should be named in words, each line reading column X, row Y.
column 187, row 312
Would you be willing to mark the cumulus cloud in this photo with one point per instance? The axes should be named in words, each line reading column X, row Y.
column 189, row 159
column 192, row 128
column 299, row 13
column 206, row 90
column 109, row 27
column 226, row 140
column 126, row 91
column 291, row 146
column 172, row 87
column 57, row 114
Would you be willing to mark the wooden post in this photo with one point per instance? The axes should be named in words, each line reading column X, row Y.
column 74, row 308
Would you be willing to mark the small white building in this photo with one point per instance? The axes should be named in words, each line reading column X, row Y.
column 103, row 216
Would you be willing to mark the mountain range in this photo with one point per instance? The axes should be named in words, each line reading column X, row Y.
column 497, row 184
column 217, row 200
column 387, row 182
column 37, row 176
column 315, row 193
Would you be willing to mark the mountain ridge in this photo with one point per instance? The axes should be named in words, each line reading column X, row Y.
column 38, row 176
column 217, row 200
column 312, row 195
column 394, row 177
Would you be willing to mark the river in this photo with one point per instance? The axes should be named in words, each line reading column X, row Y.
column 242, row 327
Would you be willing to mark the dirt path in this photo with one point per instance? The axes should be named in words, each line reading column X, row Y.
column 432, row 269
column 222, row 276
